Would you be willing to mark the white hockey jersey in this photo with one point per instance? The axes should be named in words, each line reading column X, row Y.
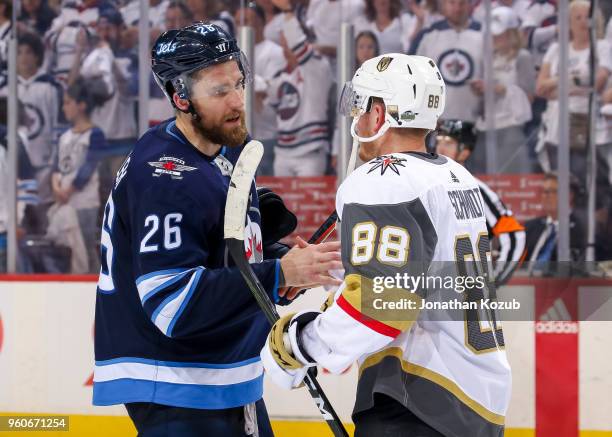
column 301, row 98
column 411, row 214
column 41, row 97
column 458, row 55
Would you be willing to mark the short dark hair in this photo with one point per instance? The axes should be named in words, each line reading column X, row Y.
column 91, row 91
column 181, row 6
column 35, row 44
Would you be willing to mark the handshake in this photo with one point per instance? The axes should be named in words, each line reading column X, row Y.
column 302, row 266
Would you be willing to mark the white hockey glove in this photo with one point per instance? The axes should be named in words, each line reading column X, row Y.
column 285, row 360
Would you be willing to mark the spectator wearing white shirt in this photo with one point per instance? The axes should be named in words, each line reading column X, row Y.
column 269, row 63
column 456, row 45
column 392, row 28
column 514, row 77
column 177, row 16
column 579, row 73
column 6, row 10
column 324, row 18
column 62, row 37
column 116, row 67
column 41, row 97
column 301, row 95
column 157, row 11
column 274, row 21
column 539, row 26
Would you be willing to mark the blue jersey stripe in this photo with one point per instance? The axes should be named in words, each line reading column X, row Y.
column 211, row 397
column 185, row 302
column 165, row 285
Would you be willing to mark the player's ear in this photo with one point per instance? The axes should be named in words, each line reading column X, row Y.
column 379, row 111
column 181, row 104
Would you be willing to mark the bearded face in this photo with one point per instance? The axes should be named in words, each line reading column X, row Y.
column 231, row 131
column 217, row 94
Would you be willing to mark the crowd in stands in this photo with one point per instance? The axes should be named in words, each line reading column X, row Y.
column 77, row 66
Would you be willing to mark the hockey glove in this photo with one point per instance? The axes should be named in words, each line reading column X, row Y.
column 277, row 221
column 285, row 360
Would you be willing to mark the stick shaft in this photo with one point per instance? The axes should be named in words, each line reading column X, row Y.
column 236, row 250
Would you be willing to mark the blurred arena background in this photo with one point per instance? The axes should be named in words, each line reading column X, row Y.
column 534, row 76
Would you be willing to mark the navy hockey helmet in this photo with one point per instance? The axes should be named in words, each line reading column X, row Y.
column 179, row 53
column 462, row 131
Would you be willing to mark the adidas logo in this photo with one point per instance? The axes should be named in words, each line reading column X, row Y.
column 556, row 320
column 454, row 178
column 557, row 312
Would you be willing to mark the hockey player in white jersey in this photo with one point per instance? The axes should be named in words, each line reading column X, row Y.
column 404, row 213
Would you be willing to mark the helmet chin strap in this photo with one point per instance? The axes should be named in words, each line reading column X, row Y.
column 383, row 129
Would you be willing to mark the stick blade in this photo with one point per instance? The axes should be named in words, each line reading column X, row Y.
column 238, row 193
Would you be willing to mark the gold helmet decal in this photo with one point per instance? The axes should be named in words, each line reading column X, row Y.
column 383, row 64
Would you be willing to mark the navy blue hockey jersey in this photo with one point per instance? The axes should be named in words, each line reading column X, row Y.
column 175, row 322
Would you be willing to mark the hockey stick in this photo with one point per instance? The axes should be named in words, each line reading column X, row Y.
column 328, row 226
column 236, row 207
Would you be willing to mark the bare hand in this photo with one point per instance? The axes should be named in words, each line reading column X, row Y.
column 82, row 40
column 417, row 10
column 477, row 86
column 500, row 89
column 308, row 265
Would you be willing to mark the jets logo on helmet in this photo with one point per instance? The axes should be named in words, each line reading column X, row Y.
column 411, row 87
column 178, row 53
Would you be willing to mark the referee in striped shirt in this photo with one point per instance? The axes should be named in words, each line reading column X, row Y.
column 456, row 139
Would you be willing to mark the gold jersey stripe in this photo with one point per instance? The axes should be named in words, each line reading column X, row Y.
column 434, row 377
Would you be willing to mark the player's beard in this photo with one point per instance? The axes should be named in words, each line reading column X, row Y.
column 220, row 134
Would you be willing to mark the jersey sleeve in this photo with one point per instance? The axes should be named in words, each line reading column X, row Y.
column 173, row 237
column 96, row 147
column 299, row 45
column 378, row 241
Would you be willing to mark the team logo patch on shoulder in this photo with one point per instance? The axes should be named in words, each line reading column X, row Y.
column 224, row 165
column 173, row 167
column 384, row 162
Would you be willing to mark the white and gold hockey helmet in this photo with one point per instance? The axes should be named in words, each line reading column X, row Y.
column 411, row 87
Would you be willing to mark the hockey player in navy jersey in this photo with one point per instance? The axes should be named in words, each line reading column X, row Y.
column 178, row 333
